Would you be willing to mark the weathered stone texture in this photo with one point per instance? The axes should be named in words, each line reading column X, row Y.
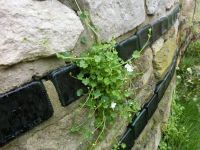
column 150, row 137
column 143, row 85
column 53, row 134
column 157, row 45
column 169, row 3
column 33, row 29
column 164, row 57
column 21, row 73
column 152, row 6
column 114, row 17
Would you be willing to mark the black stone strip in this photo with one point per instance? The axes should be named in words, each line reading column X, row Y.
column 22, row 109
column 163, row 84
column 170, row 20
column 66, row 84
column 126, row 48
column 128, row 139
column 140, row 121
column 152, row 105
column 176, row 11
column 143, row 37
column 165, row 27
column 156, row 30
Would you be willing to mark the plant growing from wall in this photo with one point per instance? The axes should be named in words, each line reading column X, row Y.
column 107, row 78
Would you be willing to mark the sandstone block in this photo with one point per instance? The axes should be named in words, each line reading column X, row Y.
column 114, row 17
column 152, row 6
column 21, row 73
column 169, row 3
column 163, row 58
column 34, row 29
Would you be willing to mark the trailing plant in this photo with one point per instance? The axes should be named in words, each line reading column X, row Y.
column 85, row 17
column 107, row 78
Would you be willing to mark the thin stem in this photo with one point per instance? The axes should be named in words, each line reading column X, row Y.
column 78, row 6
column 104, row 125
column 86, row 99
column 93, row 30
column 75, row 58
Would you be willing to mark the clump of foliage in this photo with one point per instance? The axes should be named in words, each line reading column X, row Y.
column 188, row 91
column 107, row 78
column 174, row 134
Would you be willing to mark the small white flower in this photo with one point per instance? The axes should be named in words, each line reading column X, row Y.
column 113, row 105
column 195, row 99
column 129, row 68
column 178, row 77
column 189, row 70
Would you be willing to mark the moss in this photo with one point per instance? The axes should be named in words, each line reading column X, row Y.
column 164, row 57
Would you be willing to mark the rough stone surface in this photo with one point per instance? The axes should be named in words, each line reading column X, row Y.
column 144, row 84
column 150, row 137
column 21, row 73
column 152, row 6
column 163, row 58
column 114, row 17
column 53, row 134
column 34, row 29
column 156, row 47
column 169, row 3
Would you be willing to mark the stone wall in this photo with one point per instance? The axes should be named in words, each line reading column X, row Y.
column 33, row 31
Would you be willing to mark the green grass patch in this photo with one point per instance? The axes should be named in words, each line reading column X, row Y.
column 183, row 129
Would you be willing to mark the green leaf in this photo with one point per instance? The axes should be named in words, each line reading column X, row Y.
column 123, row 146
column 97, row 59
column 83, row 40
column 83, row 15
column 136, row 54
column 79, row 92
column 97, row 94
column 80, row 76
column 83, row 64
column 106, row 81
column 86, row 81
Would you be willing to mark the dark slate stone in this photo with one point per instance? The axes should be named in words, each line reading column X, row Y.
column 176, row 11
column 164, row 21
column 143, row 37
column 127, row 139
column 160, row 89
column 126, row 48
column 139, row 123
column 22, row 109
column 156, row 30
column 167, row 79
column 173, row 17
column 66, row 84
column 170, row 20
column 173, row 67
column 152, row 105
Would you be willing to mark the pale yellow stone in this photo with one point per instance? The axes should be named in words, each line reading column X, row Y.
column 164, row 57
